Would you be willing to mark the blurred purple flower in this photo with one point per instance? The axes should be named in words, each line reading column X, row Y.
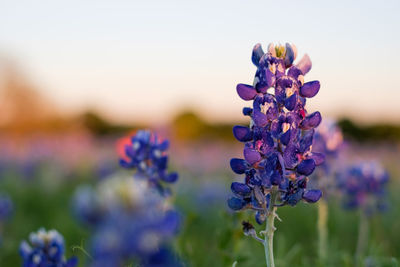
column 147, row 155
column 6, row 207
column 364, row 187
column 129, row 220
column 328, row 142
column 46, row 249
column 328, row 138
column 121, row 238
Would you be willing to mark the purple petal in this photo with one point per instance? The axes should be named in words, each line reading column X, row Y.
column 257, row 54
column 302, row 182
column 238, row 166
column 312, row 196
column 242, row 133
column 240, row 189
column 126, row 164
column 164, row 145
column 294, row 197
column 247, row 111
column 311, row 121
column 319, row 158
column 251, row 155
column 304, row 64
column 246, row 92
column 285, row 82
column 276, row 127
column 290, row 156
column 281, row 161
column 310, row 89
column 290, row 102
column 236, row 203
column 306, row 141
column 294, row 72
column 276, row 178
column 143, row 136
column 269, row 78
column 268, row 142
column 306, row 167
column 285, row 137
column 129, row 151
column 290, row 55
column 260, row 217
column 260, row 119
column 170, row 178
column 162, row 162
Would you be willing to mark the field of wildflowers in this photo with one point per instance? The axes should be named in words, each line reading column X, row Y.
column 301, row 193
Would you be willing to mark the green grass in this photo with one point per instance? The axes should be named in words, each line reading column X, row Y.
column 211, row 235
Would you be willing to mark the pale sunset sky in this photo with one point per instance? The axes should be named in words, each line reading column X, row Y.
column 147, row 60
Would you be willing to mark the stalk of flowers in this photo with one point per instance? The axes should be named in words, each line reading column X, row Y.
column 328, row 140
column 131, row 217
column 364, row 189
column 146, row 154
column 46, row 249
column 277, row 144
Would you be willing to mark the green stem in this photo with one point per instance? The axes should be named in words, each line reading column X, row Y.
column 269, row 231
column 322, row 230
column 362, row 237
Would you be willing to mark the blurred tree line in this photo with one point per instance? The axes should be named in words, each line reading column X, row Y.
column 24, row 111
column 372, row 133
column 188, row 126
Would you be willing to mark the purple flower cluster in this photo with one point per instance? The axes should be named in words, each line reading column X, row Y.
column 147, row 154
column 328, row 140
column 129, row 219
column 46, row 250
column 277, row 144
column 132, row 218
column 120, row 239
column 364, row 186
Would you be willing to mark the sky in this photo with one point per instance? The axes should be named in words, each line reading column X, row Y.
column 148, row 60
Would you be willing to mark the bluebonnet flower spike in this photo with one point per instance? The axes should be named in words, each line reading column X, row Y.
column 130, row 219
column 46, row 249
column 148, row 156
column 277, row 145
column 364, row 186
column 277, row 152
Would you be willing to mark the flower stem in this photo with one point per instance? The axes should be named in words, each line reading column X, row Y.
column 322, row 230
column 362, row 237
column 269, row 231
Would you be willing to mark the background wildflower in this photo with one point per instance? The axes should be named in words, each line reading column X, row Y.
column 46, row 248
column 6, row 207
column 364, row 189
column 328, row 140
column 146, row 154
column 363, row 186
column 130, row 220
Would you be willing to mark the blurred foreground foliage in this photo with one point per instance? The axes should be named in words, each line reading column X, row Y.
column 211, row 234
